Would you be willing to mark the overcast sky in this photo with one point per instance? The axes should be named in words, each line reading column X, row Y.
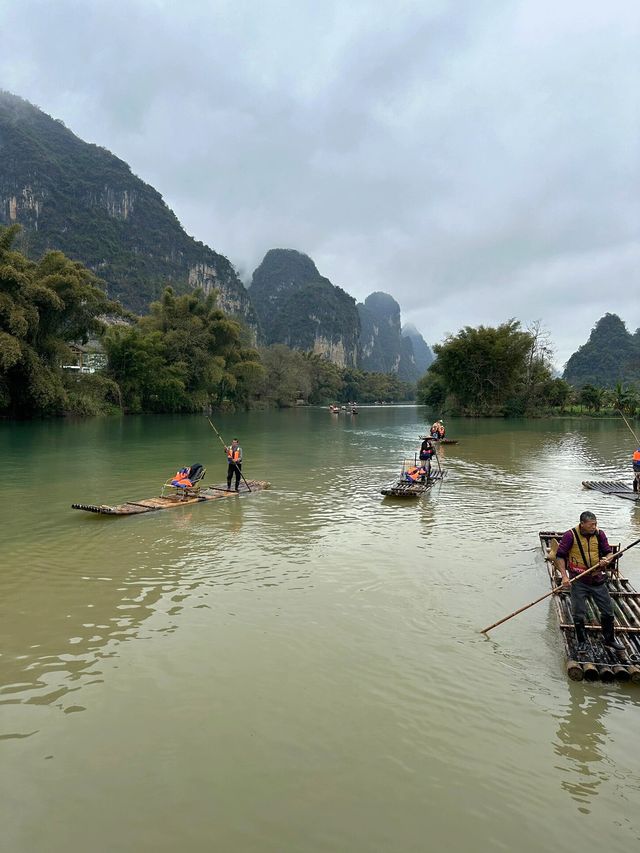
column 477, row 159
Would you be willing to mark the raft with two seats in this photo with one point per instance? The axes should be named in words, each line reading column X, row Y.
column 600, row 663
column 172, row 501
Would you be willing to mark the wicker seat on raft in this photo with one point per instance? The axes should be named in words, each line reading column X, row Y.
column 186, row 481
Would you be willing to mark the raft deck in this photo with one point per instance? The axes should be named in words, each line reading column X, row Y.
column 612, row 487
column 600, row 663
column 209, row 493
column 404, row 489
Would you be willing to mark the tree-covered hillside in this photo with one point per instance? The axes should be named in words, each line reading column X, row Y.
column 610, row 355
column 299, row 307
column 82, row 200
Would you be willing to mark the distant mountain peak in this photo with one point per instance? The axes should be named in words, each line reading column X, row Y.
column 301, row 308
column 610, row 355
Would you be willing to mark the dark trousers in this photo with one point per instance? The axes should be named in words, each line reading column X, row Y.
column 599, row 594
column 234, row 468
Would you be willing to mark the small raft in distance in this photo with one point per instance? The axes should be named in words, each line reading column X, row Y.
column 612, row 487
column 209, row 493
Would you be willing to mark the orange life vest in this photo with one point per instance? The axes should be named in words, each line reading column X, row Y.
column 233, row 455
column 415, row 473
column 181, row 479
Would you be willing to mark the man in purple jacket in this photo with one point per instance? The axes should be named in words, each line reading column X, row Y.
column 581, row 548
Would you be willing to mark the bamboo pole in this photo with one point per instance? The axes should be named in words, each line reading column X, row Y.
column 558, row 589
column 629, row 425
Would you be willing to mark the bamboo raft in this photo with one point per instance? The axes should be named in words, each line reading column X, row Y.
column 404, row 489
column 612, row 487
column 440, row 440
column 209, row 493
column 599, row 663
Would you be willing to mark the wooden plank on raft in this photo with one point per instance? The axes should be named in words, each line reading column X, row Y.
column 209, row 493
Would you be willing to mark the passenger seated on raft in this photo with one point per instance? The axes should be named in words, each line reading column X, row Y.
column 416, row 474
column 181, row 480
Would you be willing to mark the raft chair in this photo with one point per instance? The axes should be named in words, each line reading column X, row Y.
column 186, row 481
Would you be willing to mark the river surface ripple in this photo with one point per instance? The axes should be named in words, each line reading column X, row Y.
column 302, row 669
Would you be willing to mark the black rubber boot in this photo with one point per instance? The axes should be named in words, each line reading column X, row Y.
column 581, row 637
column 608, row 635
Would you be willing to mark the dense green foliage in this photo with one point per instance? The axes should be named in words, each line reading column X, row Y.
column 292, row 375
column 185, row 356
column 82, row 200
column 490, row 371
column 610, row 355
column 44, row 307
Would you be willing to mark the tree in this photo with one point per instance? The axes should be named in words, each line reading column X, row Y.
column 592, row 397
column 557, row 393
column 185, row 355
column 432, row 391
column 623, row 399
column 44, row 307
column 325, row 377
column 488, row 371
column 287, row 375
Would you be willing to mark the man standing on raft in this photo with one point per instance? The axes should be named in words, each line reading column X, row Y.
column 234, row 458
column 581, row 548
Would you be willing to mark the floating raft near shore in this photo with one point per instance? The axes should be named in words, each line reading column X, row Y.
column 600, row 663
column 404, row 489
column 209, row 493
column 612, row 487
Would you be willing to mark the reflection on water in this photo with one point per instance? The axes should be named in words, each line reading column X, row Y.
column 313, row 649
column 582, row 739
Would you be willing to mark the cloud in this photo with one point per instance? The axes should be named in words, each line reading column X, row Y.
column 477, row 160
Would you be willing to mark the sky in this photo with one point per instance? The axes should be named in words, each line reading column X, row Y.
column 476, row 159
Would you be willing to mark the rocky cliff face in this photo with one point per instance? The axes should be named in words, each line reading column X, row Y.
column 422, row 353
column 79, row 198
column 299, row 307
column 382, row 347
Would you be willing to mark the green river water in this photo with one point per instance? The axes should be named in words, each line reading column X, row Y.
column 301, row 669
